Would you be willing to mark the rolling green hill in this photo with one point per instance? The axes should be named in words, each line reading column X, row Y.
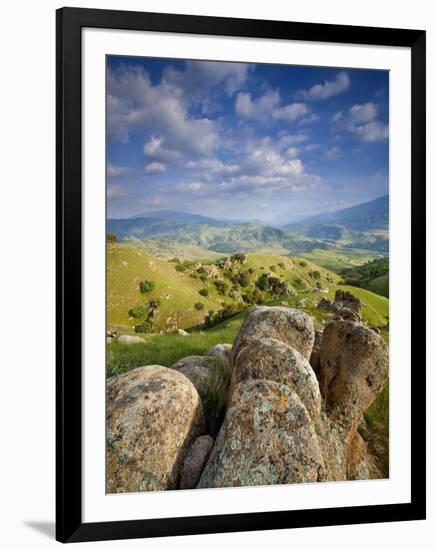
column 177, row 285
column 339, row 259
column 219, row 237
column 373, row 275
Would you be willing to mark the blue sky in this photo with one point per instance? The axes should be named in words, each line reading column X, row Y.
column 243, row 141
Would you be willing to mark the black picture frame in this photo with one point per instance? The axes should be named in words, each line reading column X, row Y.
column 69, row 525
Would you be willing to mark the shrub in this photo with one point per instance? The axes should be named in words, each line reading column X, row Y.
column 242, row 278
column 146, row 326
column 199, row 306
column 281, row 265
column 175, row 260
column 238, row 257
column 315, row 274
column 139, row 312
column 204, row 292
column 272, row 268
column 110, row 238
column 221, row 286
column 303, row 264
column 273, row 285
column 146, row 286
column 180, row 267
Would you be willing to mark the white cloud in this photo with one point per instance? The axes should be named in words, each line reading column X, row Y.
column 333, row 153
column 312, row 147
column 156, row 149
column 291, row 152
column 309, row 119
column 357, row 114
column 191, row 186
column 115, row 192
column 258, row 109
column 361, row 120
column 155, row 167
column 113, row 170
column 262, row 167
column 198, row 76
column 285, row 140
column 213, row 166
column 326, row 90
column 291, row 112
column 134, row 103
column 373, row 131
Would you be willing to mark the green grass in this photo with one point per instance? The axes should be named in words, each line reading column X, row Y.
column 376, row 433
column 166, row 349
column 337, row 259
column 380, row 285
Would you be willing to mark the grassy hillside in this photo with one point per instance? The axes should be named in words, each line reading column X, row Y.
column 166, row 249
column 128, row 265
column 372, row 275
column 337, row 259
column 178, row 286
column 166, row 349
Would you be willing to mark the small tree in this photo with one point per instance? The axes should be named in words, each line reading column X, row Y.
column 204, row 292
column 111, row 238
column 146, row 286
column 199, row 306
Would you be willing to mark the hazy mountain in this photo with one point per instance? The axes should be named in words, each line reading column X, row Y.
column 372, row 215
column 363, row 226
column 176, row 216
column 219, row 237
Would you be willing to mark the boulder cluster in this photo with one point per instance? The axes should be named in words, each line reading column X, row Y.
column 345, row 306
column 294, row 401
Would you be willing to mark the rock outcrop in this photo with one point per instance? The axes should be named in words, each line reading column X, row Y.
column 223, row 352
column 353, row 369
column 153, row 415
column 345, row 306
column 292, row 407
column 267, row 438
column 288, row 325
column 197, row 368
column 194, row 462
column 270, row 359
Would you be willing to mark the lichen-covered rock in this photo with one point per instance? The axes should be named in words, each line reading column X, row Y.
column 270, row 359
column 344, row 298
column 222, row 351
column 197, row 368
column 347, row 314
column 358, row 462
column 195, row 361
column 354, row 366
column 197, row 375
column 315, row 353
column 153, row 415
column 195, row 461
column 267, row 438
column 288, row 325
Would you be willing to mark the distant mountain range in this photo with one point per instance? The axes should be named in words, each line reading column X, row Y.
column 362, row 226
column 372, row 215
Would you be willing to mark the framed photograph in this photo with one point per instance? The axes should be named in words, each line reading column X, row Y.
column 240, row 252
